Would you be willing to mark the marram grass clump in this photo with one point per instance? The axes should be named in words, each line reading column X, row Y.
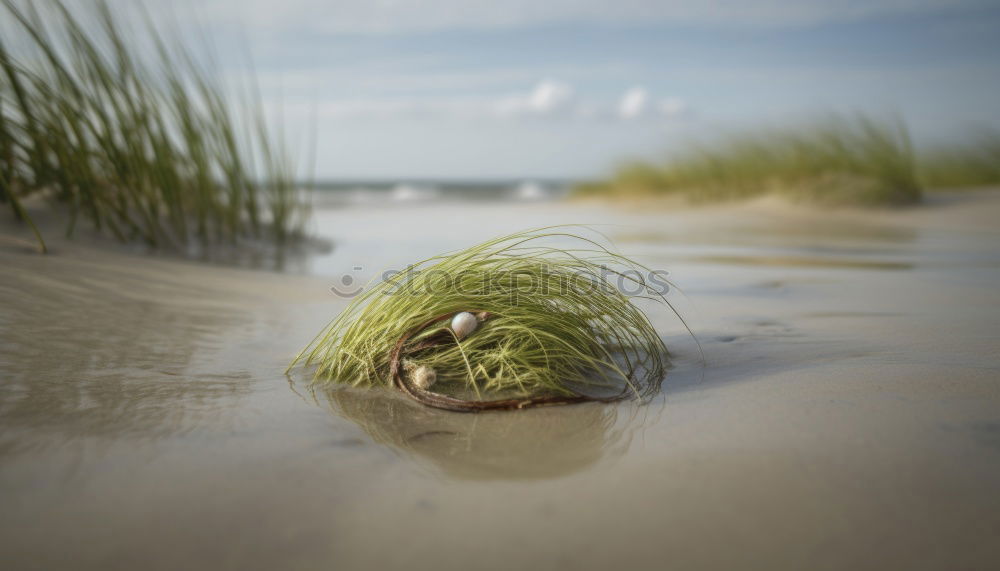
column 534, row 318
column 132, row 129
column 840, row 160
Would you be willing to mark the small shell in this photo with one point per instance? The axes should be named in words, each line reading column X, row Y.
column 464, row 323
column 424, row 377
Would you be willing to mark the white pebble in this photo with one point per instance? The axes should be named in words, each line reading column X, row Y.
column 424, row 377
column 463, row 323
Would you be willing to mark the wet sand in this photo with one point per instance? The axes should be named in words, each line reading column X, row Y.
column 847, row 414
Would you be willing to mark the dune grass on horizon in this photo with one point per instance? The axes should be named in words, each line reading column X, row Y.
column 138, row 136
column 973, row 163
column 856, row 160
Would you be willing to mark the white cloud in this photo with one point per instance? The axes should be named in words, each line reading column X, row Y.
column 413, row 76
column 548, row 99
column 549, row 96
column 633, row 103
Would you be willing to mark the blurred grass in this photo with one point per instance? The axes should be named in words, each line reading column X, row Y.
column 975, row 163
column 141, row 138
column 852, row 160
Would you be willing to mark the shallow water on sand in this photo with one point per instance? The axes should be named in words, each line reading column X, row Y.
column 847, row 412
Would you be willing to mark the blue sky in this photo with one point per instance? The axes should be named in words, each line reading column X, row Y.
column 566, row 88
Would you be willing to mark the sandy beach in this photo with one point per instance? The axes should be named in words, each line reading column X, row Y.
column 846, row 413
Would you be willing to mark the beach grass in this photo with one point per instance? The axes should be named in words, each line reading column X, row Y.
column 974, row 163
column 840, row 160
column 556, row 321
column 132, row 130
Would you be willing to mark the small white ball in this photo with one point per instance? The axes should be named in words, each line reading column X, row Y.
column 464, row 323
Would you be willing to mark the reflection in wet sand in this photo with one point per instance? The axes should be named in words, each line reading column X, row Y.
column 528, row 444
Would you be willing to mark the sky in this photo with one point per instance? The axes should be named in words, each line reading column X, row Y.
column 468, row 89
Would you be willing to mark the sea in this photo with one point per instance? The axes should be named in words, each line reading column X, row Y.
column 406, row 192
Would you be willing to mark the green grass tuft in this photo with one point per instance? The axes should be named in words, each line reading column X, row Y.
column 137, row 136
column 558, row 322
column 842, row 160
